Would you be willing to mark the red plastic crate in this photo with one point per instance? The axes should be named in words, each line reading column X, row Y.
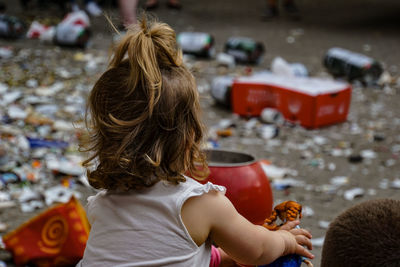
column 311, row 102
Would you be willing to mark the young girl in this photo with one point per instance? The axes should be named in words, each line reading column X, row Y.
column 145, row 136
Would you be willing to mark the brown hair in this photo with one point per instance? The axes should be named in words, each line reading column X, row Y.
column 366, row 234
column 145, row 123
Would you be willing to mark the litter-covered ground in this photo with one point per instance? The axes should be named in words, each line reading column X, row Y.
column 43, row 89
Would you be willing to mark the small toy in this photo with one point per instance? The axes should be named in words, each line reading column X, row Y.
column 286, row 211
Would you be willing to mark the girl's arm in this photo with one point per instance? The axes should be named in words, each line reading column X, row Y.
column 213, row 215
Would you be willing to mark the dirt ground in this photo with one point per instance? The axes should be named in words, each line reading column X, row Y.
column 369, row 27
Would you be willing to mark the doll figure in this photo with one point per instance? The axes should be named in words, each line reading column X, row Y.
column 286, row 211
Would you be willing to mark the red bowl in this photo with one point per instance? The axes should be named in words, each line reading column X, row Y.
column 247, row 186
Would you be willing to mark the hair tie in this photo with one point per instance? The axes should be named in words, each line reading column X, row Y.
column 147, row 34
column 145, row 29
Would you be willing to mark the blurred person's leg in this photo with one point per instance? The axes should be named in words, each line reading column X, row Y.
column 127, row 9
column 291, row 8
column 272, row 10
column 153, row 4
column 175, row 4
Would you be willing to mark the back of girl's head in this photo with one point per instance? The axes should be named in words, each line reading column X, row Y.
column 364, row 235
column 144, row 114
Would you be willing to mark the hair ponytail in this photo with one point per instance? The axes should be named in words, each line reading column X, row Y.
column 149, row 46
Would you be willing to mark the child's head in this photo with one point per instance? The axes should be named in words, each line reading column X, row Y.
column 145, row 123
column 367, row 234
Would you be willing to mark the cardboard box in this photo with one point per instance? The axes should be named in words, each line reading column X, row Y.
column 311, row 102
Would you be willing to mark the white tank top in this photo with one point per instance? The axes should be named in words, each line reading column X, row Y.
column 144, row 228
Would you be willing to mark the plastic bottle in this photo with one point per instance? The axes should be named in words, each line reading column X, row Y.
column 11, row 27
column 244, row 50
column 77, row 36
column 73, row 30
column 353, row 66
column 200, row 44
column 221, row 87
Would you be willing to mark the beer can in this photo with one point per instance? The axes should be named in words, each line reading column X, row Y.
column 245, row 50
column 200, row 44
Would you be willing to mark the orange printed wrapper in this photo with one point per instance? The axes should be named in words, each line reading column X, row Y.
column 56, row 237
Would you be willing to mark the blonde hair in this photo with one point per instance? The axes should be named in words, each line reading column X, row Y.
column 145, row 123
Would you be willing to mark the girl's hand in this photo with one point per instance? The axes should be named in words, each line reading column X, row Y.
column 290, row 225
column 302, row 236
column 296, row 239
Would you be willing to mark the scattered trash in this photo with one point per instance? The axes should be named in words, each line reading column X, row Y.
column 32, row 205
column 7, row 178
column 221, row 87
column 395, row 184
column 271, row 115
column 282, row 184
column 385, row 78
column 308, row 211
column 244, row 50
column 3, row 227
column 7, row 204
column 367, row 47
column 355, row 158
column 40, row 31
column 73, row 30
column 371, row 192
column 290, row 39
column 320, row 140
column 323, row 224
column 299, row 69
column 15, row 112
column 226, row 60
column 368, row 154
column 225, row 132
column 38, row 143
column 251, row 124
column 379, row 137
column 11, row 27
column 280, row 67
column 274, row 172
column 268, row 131
column 339, row 180
column 384, row 184
column 59, row 194
column 11, row 97
column 6, row 52
column 197, row 43
column 353, row 193
column 342, row 62
column 71, row 165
